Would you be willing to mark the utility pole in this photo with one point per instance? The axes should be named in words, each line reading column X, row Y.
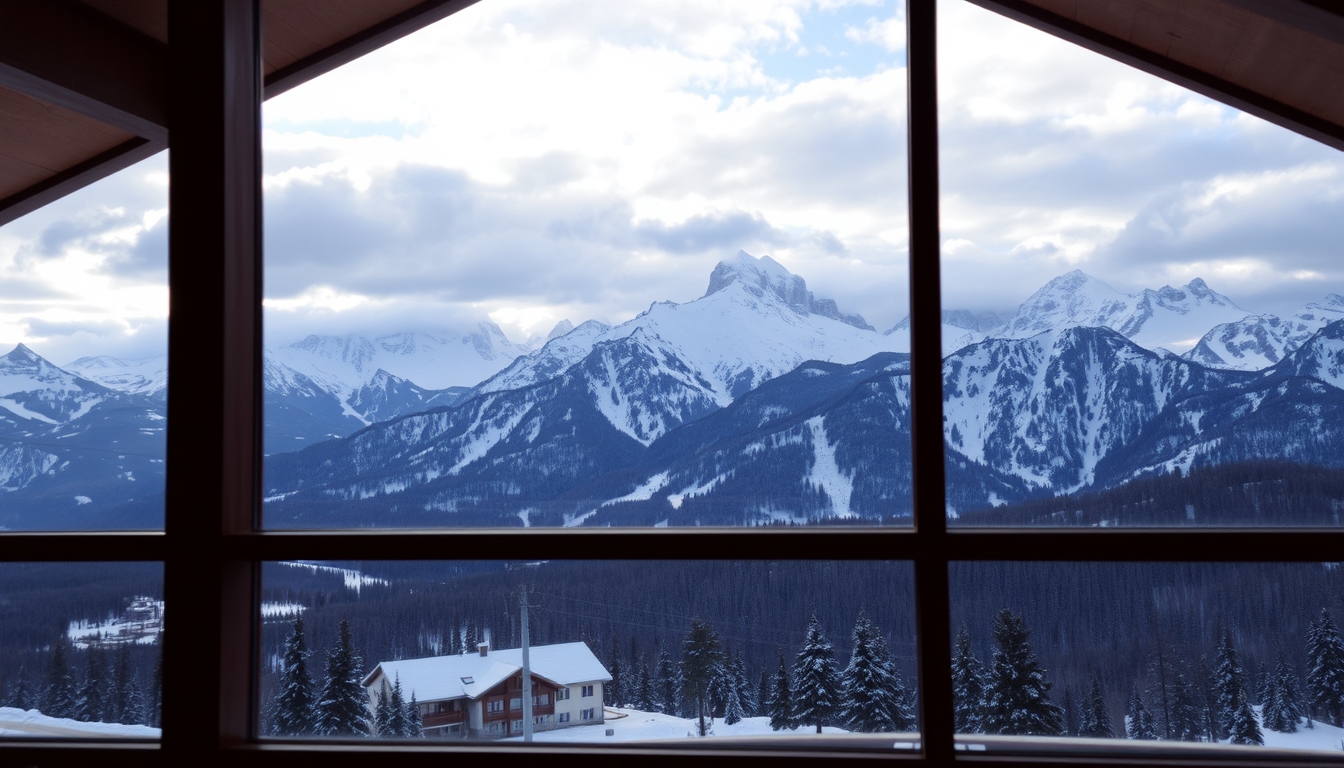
column 527, row 668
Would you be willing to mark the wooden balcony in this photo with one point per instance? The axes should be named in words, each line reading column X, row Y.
column 443, row 718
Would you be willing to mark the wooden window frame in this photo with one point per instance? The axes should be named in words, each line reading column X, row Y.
column 212, row 545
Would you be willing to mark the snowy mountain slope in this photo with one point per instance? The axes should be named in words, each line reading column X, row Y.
column 138, row 377
column 1173, row 318
column 1321, row 357
column 1259, row 341
column 1048, row 408
column 71, row 449
column 961, row 328
column 754, row 322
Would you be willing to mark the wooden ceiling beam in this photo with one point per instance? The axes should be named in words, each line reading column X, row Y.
column 70, row 55
column 1204, row 83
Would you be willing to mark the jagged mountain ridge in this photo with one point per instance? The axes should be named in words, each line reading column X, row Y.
column 1259, row 341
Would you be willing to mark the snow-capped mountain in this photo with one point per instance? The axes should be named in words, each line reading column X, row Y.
column 755, row 321
column 961, row 328
column 74, row 453
column 139, row 377
column 1171, row 318
column 1259, row 341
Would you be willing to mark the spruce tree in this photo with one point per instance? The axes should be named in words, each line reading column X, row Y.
column 1139, row 723
column 868, row 694
column 1186, row 717
column 122, row 688
column 1072, row 719
column 1018, row 699
column 294, row 703
column 1095, row 720
column 644, row 698
column 135, row 703
column 668, row 685
column 414, row 726
column 342, row 708
column 91, row 702
column 1229, row 684
column 615, row 690
column 763, row 694
column 396, row 711
column 1264, row 686
column 701, row 661
column 732, row 710
column 746, row 696
column 782, row 706
column 469, row 645
column 382, row 714
column 59, row 694
column 904, row 698
column 1269, row 701
column 815, row 680
column 719, row 685
column 1287, row 699
column 1325, row 669
column 1242, row 728
column 20, row 697
column 968, row 686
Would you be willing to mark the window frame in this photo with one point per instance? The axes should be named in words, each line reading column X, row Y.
column 212, row 552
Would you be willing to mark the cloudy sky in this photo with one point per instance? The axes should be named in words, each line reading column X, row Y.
column 540, row 160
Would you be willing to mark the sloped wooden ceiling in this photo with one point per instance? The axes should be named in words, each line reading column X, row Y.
column 83, row 84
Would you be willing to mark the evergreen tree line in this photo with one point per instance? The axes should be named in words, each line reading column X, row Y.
column 106, row 687
column 1173, row 700
column 339, row 706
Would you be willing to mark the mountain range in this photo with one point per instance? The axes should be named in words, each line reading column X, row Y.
column 756, row 403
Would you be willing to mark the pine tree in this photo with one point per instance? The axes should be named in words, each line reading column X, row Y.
column 1095, row 720
column 781, row 704
column 414, row 728
column 732, row 711
column 1229, row 683
column 1264, row 687
column 814, row 676
column 471, row 642
column 746, row 696
column 1325, row 669
column 868, row 694
column 294, row 704
column 396, row 711
column 1269, row 701
column 905, row 699
column 1139, row 723
column 59, row 695
column 615, row 690
column 668, row 685
column 701, row 660
column 91, row 702
column 1287, row 699
column 122, row 688
column 719, row 686
column 20, row 697
column 644, row 698
column 342, row 708
column 1072, row 722
column 1242, row 728
column 135, row 702
column 1186, row 717
column 1018, row 700
column 382, row 714
column 968, row 686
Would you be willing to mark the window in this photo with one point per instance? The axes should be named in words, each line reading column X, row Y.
column 586, row 714
column 212, row 556
column 515, row 703
column 562, row 694
column 562, row 717
column 496, row 705
column 587, row 690
column 541, row 700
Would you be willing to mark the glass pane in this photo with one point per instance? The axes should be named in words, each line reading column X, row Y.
column 636, row 269
column 80, row 650
column 619, row 652
column 1142, row 293
column 83, row 357
column 1203, row 657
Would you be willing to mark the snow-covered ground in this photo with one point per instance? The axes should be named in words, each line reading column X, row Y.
column 634, row 725
column 354, row 580
column 18, row 722
column 139, row 623
column 1319, row 736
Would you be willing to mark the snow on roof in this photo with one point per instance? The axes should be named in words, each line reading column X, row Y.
column 442, row 677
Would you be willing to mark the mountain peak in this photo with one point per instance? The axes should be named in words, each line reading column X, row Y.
column 766, row 278
column 560, row 329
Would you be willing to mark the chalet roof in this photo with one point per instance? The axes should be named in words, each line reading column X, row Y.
column 442, row 677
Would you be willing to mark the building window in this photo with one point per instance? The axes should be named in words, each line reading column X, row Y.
column 587, row 690
column 541, row 700
column 497, row 705
column 586, row 714
column 562, row 717
column 515, row 703
column 562, row 694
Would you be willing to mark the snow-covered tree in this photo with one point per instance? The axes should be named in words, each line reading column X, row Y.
column 414, row 728
column 294, row 704
column 668, row 686
column 732, row 710
column 91, row 702
column 868, row 690
column 968, row 686
column 615, row 689
column 781, row 706
column 1325, row 669
column 342, row 708
column 59, row 694
column 1095, row 719
column 763, row 694
column 1242, row 728
column 382, row 712
column 120, row 710
column 1287, row 704
column 719, row 685
column 701, row 661
column 21, row 694
column 1229, row 684
column 1139, row 722
column 1018, row 697
column 1071, row 716
column 904, row 697
column 814, row 677
column 644, row 696
column 746, row 695
column 396, row 711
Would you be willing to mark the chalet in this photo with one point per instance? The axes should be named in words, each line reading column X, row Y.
column 480, row 694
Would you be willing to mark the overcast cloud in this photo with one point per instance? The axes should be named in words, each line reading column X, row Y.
column 566, row 159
